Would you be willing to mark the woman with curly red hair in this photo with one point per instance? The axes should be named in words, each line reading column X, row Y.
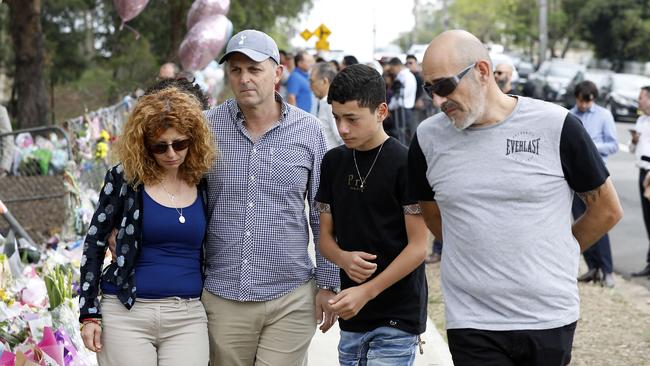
column 155, row 199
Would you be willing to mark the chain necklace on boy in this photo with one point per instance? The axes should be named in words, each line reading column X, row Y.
column 172, row 198
column 354, row 156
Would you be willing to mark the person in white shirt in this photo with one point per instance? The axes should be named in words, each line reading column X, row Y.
column 320, row 79
column 403, row 99
column 640, row 146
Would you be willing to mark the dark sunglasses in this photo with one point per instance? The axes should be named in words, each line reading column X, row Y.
column 445, row 86
column 161, row 148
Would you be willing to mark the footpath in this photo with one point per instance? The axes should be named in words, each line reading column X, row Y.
column 613, row 329
column 323, row 349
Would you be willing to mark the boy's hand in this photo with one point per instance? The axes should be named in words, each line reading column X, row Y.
column 357, row 266
column 350, row 301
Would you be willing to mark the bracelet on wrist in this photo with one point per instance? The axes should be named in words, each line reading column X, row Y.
column 87, row 321
column 335, row 290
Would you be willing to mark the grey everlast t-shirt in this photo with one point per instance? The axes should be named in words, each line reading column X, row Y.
column 510, row 260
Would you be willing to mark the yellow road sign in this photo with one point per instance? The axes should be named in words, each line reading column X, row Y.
column 323, row 45
column 306, row 34
column 322, row 32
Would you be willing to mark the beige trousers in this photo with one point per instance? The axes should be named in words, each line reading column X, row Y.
column 275, row 332
column 154, row 332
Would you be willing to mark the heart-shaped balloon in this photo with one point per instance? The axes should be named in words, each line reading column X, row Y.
column 129, row 9
column 204, row 42
column 202, row 9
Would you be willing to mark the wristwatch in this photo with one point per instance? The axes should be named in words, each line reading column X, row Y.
column 335, row 290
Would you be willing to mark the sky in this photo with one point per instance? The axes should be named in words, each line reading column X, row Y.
column 351, row 23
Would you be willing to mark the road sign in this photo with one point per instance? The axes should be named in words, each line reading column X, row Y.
column 323, row 45
column 322, row 32
column 306, row 34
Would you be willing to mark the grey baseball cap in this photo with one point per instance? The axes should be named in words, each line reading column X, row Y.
column 254, row 44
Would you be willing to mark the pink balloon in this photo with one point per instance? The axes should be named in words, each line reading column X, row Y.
column 202, row 9
column 203, row 42
column 129, row 9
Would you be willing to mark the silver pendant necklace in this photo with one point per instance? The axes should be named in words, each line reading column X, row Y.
column 172, row 198
column 363, row 179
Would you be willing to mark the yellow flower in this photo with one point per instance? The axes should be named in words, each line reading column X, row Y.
column 105, row 135
column 101, row 150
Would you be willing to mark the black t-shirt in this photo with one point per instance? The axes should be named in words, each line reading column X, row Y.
column 372, row 220
column 583, row 168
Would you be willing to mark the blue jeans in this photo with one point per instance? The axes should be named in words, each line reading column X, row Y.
column 383, row 346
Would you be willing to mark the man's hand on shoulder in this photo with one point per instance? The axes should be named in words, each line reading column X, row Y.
column 112, row 243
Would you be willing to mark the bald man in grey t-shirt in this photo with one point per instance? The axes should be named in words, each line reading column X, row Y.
column 495, row 177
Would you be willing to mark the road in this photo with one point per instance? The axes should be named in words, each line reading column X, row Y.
column 629, row 240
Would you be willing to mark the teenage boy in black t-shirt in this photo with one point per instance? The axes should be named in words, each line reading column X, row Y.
column 370, row 228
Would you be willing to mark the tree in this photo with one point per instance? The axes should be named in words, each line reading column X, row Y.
column 28, row 95
column 618, row 30
column 430, row 24
column 262, row 15
column 484, row 18
column 66, row 42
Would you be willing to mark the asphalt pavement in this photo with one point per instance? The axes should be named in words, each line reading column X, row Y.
column 323, row 348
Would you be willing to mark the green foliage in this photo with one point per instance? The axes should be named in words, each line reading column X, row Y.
column 163, row 24
column 134, row 66
column 59, row 286
column 263, row 15
column 485, row 19
column 13, row 335
column 68, row 27
column 618, row 30
column 431, row 22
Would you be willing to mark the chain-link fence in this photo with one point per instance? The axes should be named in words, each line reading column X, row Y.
column 33, row 187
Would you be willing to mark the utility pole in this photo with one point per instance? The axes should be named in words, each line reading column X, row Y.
column 543, row 30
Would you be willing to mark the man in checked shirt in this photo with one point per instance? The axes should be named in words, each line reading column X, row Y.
column 262, row 294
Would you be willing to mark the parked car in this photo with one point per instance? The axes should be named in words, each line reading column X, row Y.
column 523, row 65
column 622, row 95
column 600, row 77
column 550, row 81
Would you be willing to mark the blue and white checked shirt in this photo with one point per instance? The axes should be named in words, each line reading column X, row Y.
column 256, row 247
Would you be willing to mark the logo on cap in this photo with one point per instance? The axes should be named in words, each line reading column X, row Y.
column 242, row 38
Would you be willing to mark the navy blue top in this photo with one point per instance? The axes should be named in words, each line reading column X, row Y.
column 170, row 257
